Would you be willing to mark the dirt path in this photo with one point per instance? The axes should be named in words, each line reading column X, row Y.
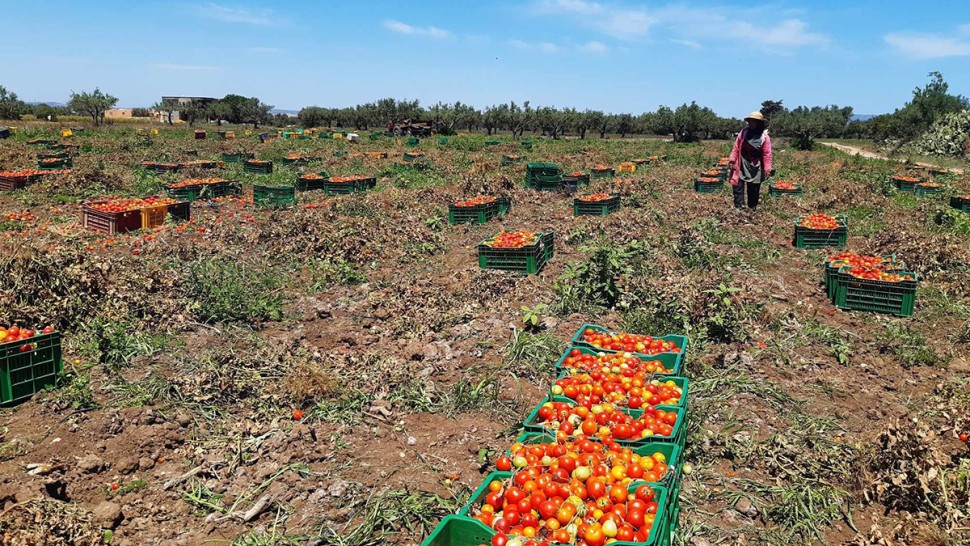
column 853, row 150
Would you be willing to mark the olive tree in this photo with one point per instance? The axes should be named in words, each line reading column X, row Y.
column 93, row 104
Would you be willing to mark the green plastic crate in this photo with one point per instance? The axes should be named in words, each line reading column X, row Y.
column 455, row 530
column 678, row 435
column 57, row 163
column 672, row 452
column 678, row 340
column 922, row 190
column 185, row 193
column 527, row 144
column 412, row 141
column 670, row 361
column 478, row 214
column 258, row 168
column 707, row 187
column 778, row 192
column 492, row 142
column 596, row 208
column 960, row 203
column 236, row 158
column 543, row 182
column 528, row 260
column 24, row 373
column 509, row 160
column 893, row 298
column 539, row 169
column 309, row 184
column 339, row 188
column 904, row 185
column 657, row 531
column 274, row 196
column 821, row 238
column 831, row 273
column 504, row 205
column 220, row 189
column 607, row 173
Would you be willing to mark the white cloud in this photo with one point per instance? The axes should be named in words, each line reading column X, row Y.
column 594, row 47
column 227, row 14
column 631, row 23
column 404, row 28
column 926, row 46
column 183, row 67
column 543, row 47
column 689, row 43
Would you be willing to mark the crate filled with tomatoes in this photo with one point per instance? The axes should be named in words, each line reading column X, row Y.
column 821, row 230
column 15, row 180
column 905, row 182
column 572, row 181
column 596, row 204
column 836, row 262
column 50, row 163
column 708, row 184
column 519, row 251
column 29, row 361
column 602, row 339
column 784, row 187
column 477, row 210
column 928, row 188
column 312, row 181
column 959, row 202
column 876, row 290
column 257, row 166
column 602, row 171
column 122, row 215
column 511, row 159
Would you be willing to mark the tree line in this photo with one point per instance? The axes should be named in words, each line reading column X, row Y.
column 691, row 122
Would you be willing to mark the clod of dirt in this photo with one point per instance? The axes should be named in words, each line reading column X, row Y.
column 91, row 464
column 107, row 514
column 745, row 507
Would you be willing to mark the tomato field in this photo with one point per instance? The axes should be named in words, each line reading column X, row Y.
column 459, row 341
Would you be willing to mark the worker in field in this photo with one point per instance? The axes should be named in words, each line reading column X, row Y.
column 750, row 161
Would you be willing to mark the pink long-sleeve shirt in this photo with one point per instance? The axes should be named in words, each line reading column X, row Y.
column 735, row 157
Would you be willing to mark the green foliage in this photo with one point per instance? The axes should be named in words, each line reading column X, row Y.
column 950, row 219
column 226, row 291
column 327, row 272
column 598, row 280
column 691, row 123
column 532, row 355
column 532, row 317
column 93, row 104
column 10, row 106
column 115, row 343
column 803, row 124
column 909, row 346
column 948, row 136
column 74, row 390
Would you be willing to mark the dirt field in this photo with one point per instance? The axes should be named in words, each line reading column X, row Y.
column 188, row 349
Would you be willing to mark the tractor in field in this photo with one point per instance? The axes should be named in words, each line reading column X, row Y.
column 411, row 128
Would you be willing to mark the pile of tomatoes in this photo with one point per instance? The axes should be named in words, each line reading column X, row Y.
column 724, row 162
column 932, row 185
column 708, row 180
column 605, row 421
column 596, row 197
column 879, row 275
column 621, row 362
column 257, row 162
column 785, row 185
column 25, row 217
column 874, row 268
column 196, row 182
column 24, row 173
column 131, row 204
column 820, row 221
column 713, row 173
column 475, row 201
column 628, row 388
column 512, row 239
column 574, row 493
column 313, row 176
column 15, row 334
column 631, row 343
column 576, row 174
column 602, row 168
column 910, row 179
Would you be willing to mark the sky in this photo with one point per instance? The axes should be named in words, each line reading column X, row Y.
column 615, row 56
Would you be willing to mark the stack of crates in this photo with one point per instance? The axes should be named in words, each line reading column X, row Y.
column 534, row 170
column 464, row 529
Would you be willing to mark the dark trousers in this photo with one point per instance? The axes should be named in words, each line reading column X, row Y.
column 754, row 192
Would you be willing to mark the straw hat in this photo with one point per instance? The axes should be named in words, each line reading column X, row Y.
column 756, row 116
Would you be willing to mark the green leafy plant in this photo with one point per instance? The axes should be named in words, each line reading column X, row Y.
column 226, row 290
column 532, row 317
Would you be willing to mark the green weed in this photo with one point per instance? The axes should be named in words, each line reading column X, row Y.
column 532, row 355
column 225, row 290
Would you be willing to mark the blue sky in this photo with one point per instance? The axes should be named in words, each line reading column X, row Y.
column 621, row 56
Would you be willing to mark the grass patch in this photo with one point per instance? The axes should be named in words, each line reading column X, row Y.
column 114, row 344
column 226, row 291
column 532, row 355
